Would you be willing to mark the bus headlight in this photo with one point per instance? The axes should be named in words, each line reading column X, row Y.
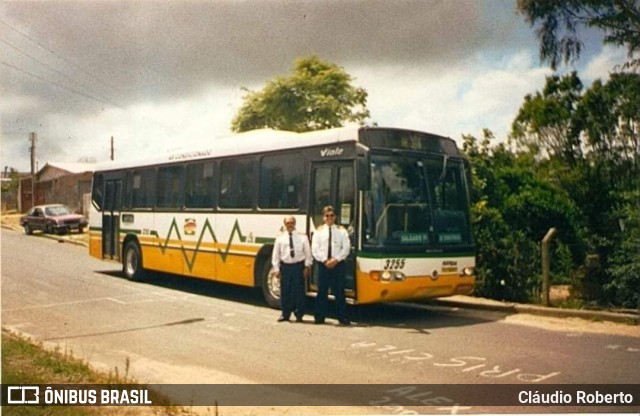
column 468, row 271
column 387, row 275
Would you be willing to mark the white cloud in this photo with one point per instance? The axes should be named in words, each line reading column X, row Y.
column 141, row 128
column 609, row 58
column 460, row 100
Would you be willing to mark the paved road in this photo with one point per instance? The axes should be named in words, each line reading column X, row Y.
column 181, row 331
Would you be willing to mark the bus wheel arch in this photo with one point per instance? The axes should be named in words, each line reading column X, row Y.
column 269, row 284
column 132, row 264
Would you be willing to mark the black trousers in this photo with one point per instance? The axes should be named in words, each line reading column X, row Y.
column 335, row 279
column 292, row 296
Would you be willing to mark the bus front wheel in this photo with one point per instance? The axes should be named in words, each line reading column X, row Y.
column 132, row 265
column 270, row 286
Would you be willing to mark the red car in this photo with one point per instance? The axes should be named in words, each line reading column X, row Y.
column 54, row 218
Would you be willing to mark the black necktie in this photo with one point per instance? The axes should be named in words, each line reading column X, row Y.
column 291, row 252
column 329, row 253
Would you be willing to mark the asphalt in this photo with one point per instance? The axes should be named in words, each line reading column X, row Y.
column 629, row 317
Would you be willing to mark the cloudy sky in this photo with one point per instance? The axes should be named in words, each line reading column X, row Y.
column 157, row 75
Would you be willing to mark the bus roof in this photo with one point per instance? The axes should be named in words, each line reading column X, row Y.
column 254, row 141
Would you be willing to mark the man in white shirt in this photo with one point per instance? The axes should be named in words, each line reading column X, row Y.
column 291, row 260
column 330, row 247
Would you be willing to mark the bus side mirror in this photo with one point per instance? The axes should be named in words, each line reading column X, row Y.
column 363, row 172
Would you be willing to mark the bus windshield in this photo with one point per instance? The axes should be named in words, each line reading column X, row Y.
column 416, row 201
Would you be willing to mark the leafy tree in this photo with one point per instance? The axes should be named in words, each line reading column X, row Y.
column 625, row 262
column 558, row 22
column 574, row 166
column 609, row 115
column 587, row 145
column 318, row 95
column 512, row 209
column 545, row 122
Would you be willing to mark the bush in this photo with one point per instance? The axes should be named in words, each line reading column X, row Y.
column 624, row 265
column 508, row 261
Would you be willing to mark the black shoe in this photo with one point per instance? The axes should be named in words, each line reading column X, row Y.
column 318, row 321
column 345, row 321
column 298, row 318
column 283, row 319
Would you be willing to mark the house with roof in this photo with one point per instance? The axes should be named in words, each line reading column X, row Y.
column 59, row 183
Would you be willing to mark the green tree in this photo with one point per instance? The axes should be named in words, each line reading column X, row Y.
column 512, row 209
column 587, row 145
column 545, row 122
column 573, row 166
column 318, row 95
column 609, row 115
column 558, row 23
column 624, row 266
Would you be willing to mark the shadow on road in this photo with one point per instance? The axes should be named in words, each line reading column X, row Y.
column 225, row 291
column 417, row 318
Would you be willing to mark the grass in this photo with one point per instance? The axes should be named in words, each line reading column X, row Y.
column 26, row 362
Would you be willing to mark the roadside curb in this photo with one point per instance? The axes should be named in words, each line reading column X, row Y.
column 65, row 239
column 59, row 238
column 469, row 302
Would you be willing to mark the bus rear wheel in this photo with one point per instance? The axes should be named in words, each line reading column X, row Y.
column 132, row 264
column 270, row 286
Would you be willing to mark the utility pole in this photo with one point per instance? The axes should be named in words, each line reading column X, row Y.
column 34, row 137
column 112, row 150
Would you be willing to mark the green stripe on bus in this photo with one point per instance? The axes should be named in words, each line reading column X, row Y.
column 265, row 240
column 366, row 255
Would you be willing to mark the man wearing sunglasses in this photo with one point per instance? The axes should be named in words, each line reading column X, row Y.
column 330, row 247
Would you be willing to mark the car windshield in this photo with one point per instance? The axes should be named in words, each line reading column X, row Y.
column 416, row 201
column 57, row 210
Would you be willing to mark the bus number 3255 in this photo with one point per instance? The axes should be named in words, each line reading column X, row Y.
column 394, row 264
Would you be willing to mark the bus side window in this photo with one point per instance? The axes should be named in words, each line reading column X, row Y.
column 199, row 185
column 237, row 183
column 141, row 188
column 281, row 181
column 170, row 190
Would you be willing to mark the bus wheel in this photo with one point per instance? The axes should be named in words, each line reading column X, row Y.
column 270, row 287
column 132, row 265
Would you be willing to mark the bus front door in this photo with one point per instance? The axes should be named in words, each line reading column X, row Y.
column 334, row 184
column 111, row 219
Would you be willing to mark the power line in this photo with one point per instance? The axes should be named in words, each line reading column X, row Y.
column 59, row 85
column 79, row 92
column 106, row 100
column 76, row 66
column 57, row 55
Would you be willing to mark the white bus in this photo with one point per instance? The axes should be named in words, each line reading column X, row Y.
column 213, row 213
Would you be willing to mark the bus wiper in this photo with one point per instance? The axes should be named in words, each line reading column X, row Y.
column 444, row 169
